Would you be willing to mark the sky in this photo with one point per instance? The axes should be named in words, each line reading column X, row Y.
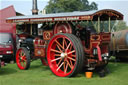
column 25, row 6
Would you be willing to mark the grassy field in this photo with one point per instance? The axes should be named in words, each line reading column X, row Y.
column 41, row 75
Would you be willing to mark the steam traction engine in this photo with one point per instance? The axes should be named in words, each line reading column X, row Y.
column 66, row 41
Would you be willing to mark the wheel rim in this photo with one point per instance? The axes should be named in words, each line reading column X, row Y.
column 61, row 56
column 21, row 59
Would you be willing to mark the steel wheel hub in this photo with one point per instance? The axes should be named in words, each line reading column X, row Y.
column 63, row 55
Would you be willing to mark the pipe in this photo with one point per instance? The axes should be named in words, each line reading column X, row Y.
column 98, row 24
column 34, row 8
column 34, row 12
column 109, row 24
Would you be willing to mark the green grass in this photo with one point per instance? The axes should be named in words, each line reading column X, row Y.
column 41, row 75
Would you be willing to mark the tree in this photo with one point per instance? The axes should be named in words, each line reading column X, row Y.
column 121, row 25
column 56, row 6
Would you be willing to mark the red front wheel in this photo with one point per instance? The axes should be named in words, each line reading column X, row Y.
column 23, row 58
column 65, row 55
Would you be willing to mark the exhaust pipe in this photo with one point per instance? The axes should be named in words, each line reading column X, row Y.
column 34, row 12
column 34, row 8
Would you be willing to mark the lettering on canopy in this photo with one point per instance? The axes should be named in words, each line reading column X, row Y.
column 57, row 19
column 53, row 19
column 21, row 20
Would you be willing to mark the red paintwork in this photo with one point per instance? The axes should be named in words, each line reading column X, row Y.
column 101, row 42
column 38, row 42
column 105, row 40
column 39, row 46
column 47, row 34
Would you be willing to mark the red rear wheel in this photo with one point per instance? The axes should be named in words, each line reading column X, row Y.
column 62, row 28
column 64, row 55
column 23, row 58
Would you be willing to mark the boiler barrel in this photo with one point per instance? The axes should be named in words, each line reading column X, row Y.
column 119, row 41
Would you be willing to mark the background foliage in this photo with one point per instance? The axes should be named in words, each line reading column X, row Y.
column 121, row 25
column 56, row 6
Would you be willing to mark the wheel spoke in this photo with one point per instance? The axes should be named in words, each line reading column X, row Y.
column 59, row 44
column 57, row 55
column 71, row 52
column 56, row 59
column 59, row 62
column 20, row 54
column 65, row 71
column 23, row 64
column 63, row 42
column 60, row 66
column 64, row 65
column 69, row 64
column 24, row 58
column 23, row 55
column 59, row 48
column 71, row 58
column 20, row 60
column 68, row 46
column 55, row 51
column 73, row 55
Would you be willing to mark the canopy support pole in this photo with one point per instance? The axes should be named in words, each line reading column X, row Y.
column 112, row 30
column 31, row 29
column 94, row 25
column 98, row 24
column 109, row 25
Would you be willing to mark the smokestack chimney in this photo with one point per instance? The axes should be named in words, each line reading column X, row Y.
column 34, row 8
column 34, row 12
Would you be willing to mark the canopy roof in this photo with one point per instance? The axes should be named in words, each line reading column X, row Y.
column 69, row 16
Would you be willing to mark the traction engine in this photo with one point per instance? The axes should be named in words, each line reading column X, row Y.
column 64, row 43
